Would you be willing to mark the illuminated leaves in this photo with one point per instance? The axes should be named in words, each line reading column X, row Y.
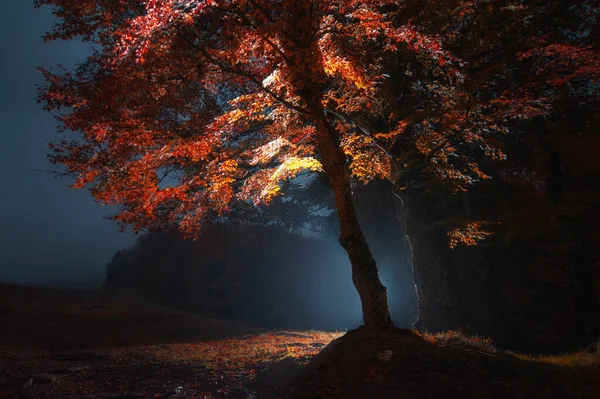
column 267, row 152
column 469, row 235
column 262, row 186
column 188, row 105
column 157, row 17
column 367, row 162
column 196, row 366
column 335, row 64
column 392, row 134
column 512, row 106
column 255, row 350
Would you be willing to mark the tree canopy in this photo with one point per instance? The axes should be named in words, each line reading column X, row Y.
column 188, row 105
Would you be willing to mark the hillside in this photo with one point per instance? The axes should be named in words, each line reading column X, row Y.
column 400, row 364
column 58, row 319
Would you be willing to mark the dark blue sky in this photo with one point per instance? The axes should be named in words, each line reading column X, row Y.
column 48, row 232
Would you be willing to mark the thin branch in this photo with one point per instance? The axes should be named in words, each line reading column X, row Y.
column 251, row 78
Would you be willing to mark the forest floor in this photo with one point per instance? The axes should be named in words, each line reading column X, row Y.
column 61, row 344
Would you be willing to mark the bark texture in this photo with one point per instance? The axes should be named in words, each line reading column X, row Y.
column 365, row 274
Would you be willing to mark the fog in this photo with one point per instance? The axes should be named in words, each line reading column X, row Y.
column 55, row 236
column 50, row 234
column 264, row 275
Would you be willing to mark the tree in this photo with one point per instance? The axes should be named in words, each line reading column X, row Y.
column 229, row 98
column 533, row 67
column 188, row 105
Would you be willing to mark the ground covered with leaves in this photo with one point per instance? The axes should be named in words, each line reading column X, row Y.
column 252, row 366
column 91, row 345
column 60, row 344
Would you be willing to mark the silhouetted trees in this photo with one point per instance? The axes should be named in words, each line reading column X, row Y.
column 279, row 266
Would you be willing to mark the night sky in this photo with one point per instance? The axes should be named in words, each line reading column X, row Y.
column 50, row 234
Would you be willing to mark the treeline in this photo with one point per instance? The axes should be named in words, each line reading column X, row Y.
column 258, row 275
column 273, row 276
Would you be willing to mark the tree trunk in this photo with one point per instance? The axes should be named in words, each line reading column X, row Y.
column 401, row 215
column 365, row 275
column 435, row 268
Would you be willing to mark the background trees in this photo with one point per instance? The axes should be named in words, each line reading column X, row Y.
column 533, row 67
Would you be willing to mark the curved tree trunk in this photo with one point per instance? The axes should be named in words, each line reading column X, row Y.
column 365, row 274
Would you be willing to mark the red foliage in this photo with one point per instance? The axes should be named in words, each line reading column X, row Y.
column 191, row 104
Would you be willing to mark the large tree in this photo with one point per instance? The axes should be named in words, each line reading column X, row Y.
column 188, row 105
column 533, row 68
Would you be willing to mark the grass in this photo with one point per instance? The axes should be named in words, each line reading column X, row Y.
column 459, row 339
column 61, row 319
column 587, row 358
column 584, row 358
column 372, row 363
